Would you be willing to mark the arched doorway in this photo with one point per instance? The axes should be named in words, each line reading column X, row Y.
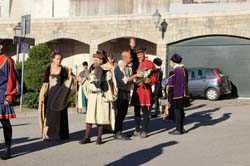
column 74, row 52
column 116, row 46
column 230, row 54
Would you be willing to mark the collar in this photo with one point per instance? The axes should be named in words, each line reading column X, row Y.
column 121, row 66
column 178, row 65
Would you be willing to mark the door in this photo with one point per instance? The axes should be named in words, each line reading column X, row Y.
column 229, row 54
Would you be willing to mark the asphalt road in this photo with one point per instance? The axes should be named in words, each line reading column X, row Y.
column 217, row 134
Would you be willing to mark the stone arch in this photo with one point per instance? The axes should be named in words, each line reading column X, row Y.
column 117, row 45
column 192, row 34
column 76, row 37
column 208, row 35
column 74, row 51
column 74, row 46
column 126, row 34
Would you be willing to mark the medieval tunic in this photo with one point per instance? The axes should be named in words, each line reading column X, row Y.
column 8, row 86
column 176, row 92
column 99, row 90
column 142, row 94
column 177, row 88
column 55, row 122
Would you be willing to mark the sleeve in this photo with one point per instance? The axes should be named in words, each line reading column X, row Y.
column 46, row 75
column 153, row 75
column 171, row 79
column 120, row 78
column 170, row 86
column 11, row 82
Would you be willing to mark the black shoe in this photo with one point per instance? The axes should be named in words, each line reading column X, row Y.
column 175, row 132
column 154, row 116
column 99, row 141
column 7, row 154
column 121, row 136
column 84, row 141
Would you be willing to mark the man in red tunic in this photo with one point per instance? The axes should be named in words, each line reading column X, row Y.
column 8, row 89
column 142, row 95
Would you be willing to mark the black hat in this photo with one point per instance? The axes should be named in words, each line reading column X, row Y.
column 2, row 42
column 176, row 58
column 157, row 61
column 140, row 49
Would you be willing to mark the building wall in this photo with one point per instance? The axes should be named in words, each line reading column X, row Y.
column 75, row 8
column 96, row 30
column 4, row 8
column 39, row 8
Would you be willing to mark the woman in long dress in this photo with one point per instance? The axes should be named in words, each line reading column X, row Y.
column 54, row 112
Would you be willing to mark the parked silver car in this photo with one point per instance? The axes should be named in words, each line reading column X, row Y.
column 206, row 82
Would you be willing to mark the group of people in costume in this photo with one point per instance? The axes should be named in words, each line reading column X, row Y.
column 104, row 90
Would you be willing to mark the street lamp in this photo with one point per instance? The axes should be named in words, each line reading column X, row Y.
column 18, row 33
column 156, row 20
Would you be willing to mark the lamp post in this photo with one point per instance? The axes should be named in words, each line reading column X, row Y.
column 156, row 20
column 18, row 33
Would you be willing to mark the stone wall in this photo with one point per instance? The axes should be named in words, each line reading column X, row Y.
column 94, row 31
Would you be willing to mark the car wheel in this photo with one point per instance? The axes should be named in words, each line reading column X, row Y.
column 212, row 94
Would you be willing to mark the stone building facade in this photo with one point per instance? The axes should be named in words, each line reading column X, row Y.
column 80, row 27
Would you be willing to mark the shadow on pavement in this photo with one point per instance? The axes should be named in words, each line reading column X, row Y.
column 204, row 118
column 32, row 147
column 15, row 125
column 195, row 107
column 156, row 126
column 142, row 156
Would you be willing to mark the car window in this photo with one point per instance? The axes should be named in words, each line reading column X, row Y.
column 198, row 74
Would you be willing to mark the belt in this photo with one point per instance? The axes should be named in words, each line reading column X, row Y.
column 96, row 91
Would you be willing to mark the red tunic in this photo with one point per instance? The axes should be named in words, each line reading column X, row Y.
column 142, row 94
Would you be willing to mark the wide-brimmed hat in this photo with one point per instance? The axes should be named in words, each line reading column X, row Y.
column 140, row 49
column 176, row 58
column 2, row 42
column 157, row 61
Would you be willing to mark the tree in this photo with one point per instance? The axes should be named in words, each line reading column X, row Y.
column 38, row 61
column 35, row 65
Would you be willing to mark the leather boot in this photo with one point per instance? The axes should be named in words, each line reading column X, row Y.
column 7, row 154
column 137, row 131
column 137, row 123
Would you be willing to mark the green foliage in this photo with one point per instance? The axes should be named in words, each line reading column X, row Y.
column 38, row 61
column 72, row 100
column 30, row 99
column 34, row 67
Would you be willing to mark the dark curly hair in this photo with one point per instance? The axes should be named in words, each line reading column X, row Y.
column 54, row 53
